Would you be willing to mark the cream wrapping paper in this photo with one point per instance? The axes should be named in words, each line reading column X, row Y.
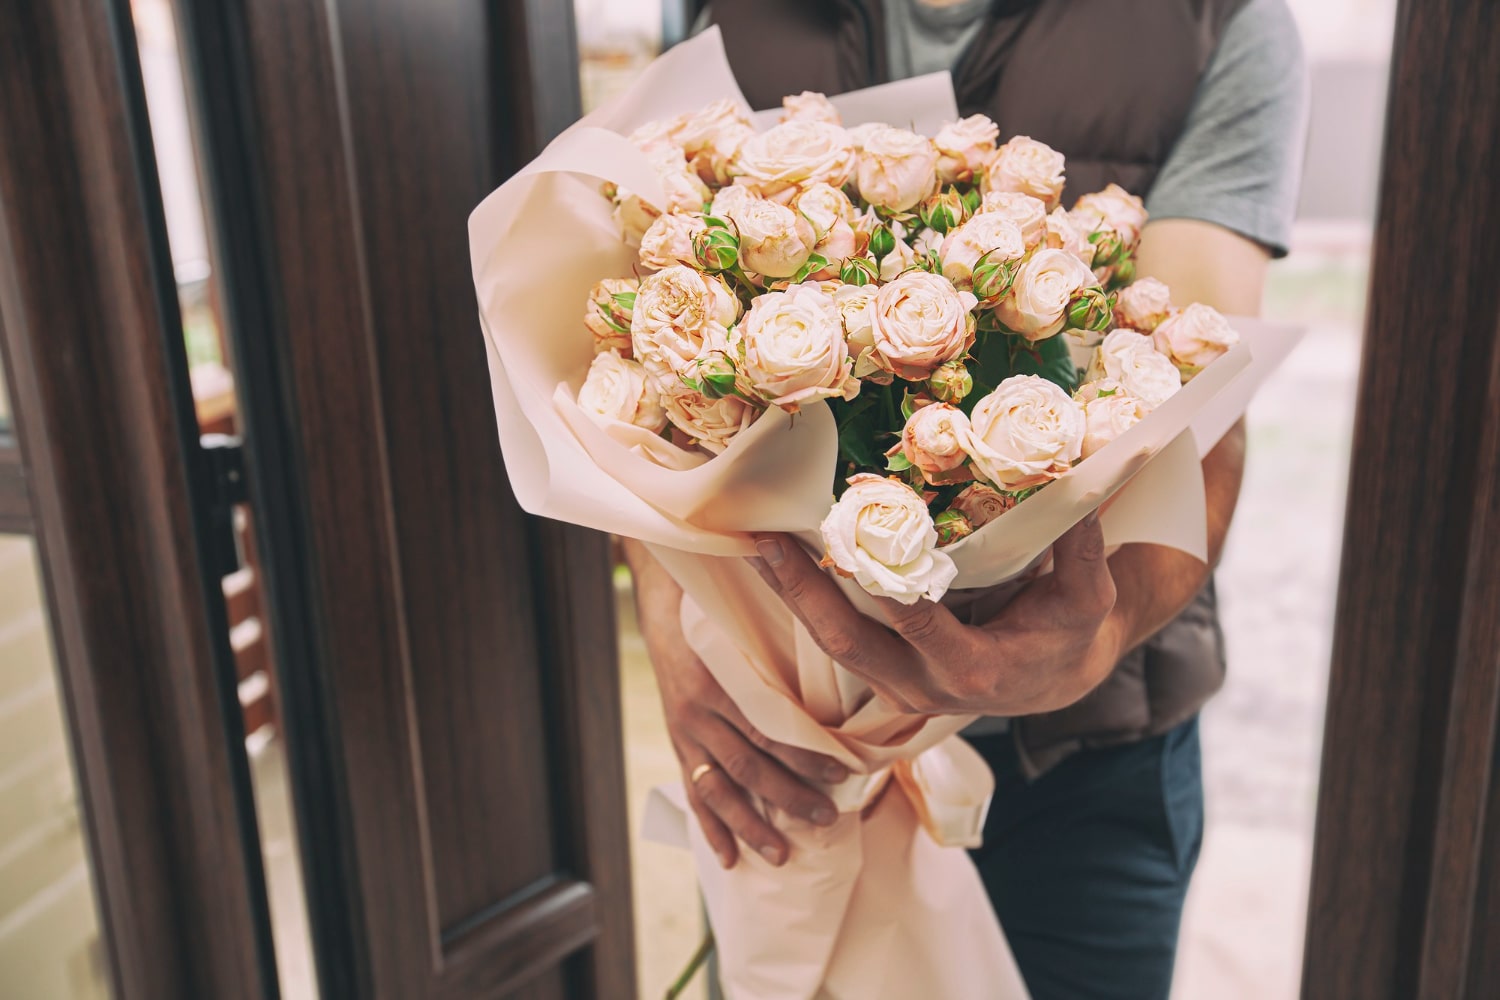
column 885, row 905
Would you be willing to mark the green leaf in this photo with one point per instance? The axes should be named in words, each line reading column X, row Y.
column 1048, row 358
column 897, row 463
column 860, row 428
column 814, row 263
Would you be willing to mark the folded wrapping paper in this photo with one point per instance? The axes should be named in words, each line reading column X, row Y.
column 873, row 908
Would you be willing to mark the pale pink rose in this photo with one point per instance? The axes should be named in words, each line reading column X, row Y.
column 714, row 162
column 608, row 313
column 901, row 259
column 697, row 132
column 881, row 534
column 1131, row 359
column 1029, row 214
column 1027, row 166
column 619, row 390
column 964, row 147
column 774, row 240
column 1026, row 432
column 860, row 133
column 981, row 504
column 1195, row 338
column 1065, row 232
column 1037, row 306
column 679, row 314
column 1143, row 305
column 777, row 162
column 730, row 200
column 711, row 423
column 897, row 169
column 809, row 106
column 1114, row 209
column 1108, row 411
column 991, row 234
column 794, row 348
column 684, row 191
column 832, row 216
column 932, row 441
column 920, row 321
column 926, row 241
column 854, row 304
column 658, row 137
column 669, row 240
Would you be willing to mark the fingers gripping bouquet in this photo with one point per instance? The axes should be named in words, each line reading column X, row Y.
column 894, row 343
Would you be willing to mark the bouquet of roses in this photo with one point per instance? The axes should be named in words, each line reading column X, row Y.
column 933, row 291
column 894, row 344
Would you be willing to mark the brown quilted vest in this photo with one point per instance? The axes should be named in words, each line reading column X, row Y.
column 1106, row 83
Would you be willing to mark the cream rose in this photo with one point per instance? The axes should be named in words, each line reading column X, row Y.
column 658, row 137
column 1037, row 306
column 669, row 240
column 832, row 216
column 774, row 240
column 685, row 194
column 981, row 504
column 932, row 441
column 854, row 305
column 1026, row 432
column 617, row 390
column 1113, row 209
column 1194, row 338
column 964, row 147
column 1143, row 305
column 794, row 348
column 1132, row 360
column 809, row 106
column 919, row 322
column 991, row 234
column 711, row 423
column 1027, row 166
column 1108, row 411
column 680, row 313
column 901, row 259
column 1029, row 214
column 703, row 130
column 1065, row 232
column 714, row 163
column 607, row 314
column 881, row 534
column 792, row 155
column 897, row 169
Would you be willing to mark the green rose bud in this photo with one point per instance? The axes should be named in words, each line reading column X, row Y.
column 717, row 376
column 951, row 526
column 993, row 277
column 858, row 271
column 944, row 211
column 1124, row 273
column 1090, row 310
column 951, row 382
column 882, row 242
column 716, row 249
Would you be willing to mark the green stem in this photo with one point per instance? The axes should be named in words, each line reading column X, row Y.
column 700, row 957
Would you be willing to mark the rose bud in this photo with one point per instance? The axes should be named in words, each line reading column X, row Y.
column 774, row 240
column 608, row 314
column 943, row 211
column 1194, row 338
column 993, row 277
column 716, row 249
column 980, row 504
column 951, row 526
column 1144, row 305
column 716, row 375
column 933, row 442
column 858, row 271
column 882, row 242
column 1090, row 309
column 951, row 382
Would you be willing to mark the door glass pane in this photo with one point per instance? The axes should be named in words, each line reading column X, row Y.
column 50, row 948
column 190, row 233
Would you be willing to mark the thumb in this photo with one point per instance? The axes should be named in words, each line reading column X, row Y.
column 1080, row 568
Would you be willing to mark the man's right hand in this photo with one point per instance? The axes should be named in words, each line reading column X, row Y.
column 706, row 727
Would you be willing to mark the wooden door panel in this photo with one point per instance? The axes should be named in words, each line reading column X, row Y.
column 476, row 730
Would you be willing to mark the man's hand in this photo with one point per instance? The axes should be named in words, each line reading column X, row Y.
column 1046, row 649
column 707, row 728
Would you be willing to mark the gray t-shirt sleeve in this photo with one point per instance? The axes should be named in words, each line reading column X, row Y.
column 1238, row 162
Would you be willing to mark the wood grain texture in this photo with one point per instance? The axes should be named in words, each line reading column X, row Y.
column 479, row 737
column 1403, row 811
column 105, row 442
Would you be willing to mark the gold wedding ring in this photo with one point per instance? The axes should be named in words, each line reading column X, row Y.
column 700, row 771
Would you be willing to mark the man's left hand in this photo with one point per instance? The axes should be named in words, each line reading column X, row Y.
column 1052, row 644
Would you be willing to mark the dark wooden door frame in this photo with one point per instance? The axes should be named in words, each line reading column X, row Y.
column 108, row 442
column 1405, row 899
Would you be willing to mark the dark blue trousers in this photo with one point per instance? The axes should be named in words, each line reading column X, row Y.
column 1088, row 866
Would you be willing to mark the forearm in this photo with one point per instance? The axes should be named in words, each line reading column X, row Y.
column 657, row 595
